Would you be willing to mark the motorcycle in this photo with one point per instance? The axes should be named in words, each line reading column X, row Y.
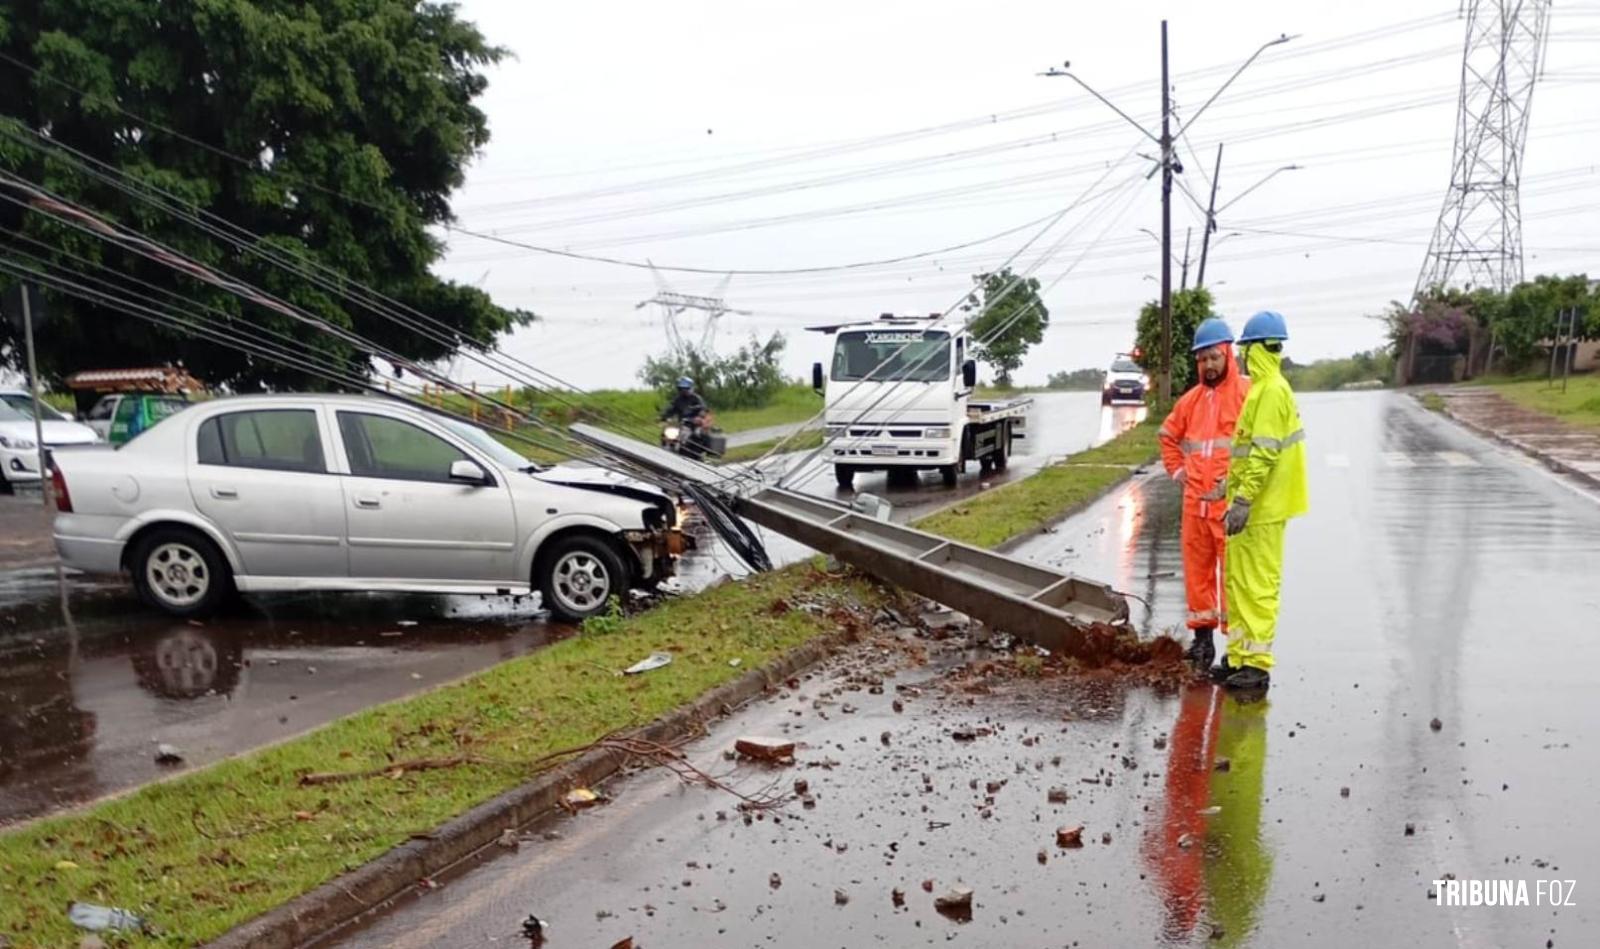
column 693, row 438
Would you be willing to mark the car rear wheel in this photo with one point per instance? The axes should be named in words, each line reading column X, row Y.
column 181, row 571
column 578, row 576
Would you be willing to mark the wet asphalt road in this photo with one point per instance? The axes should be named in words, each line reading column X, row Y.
column 1436, row 576
column 91, row 680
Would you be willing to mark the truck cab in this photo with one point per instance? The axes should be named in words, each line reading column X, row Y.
column 898, row 394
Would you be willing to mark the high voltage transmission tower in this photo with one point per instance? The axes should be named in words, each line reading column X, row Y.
column 1480, row 225
column 674, row 304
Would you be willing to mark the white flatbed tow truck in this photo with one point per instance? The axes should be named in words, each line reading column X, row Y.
column 898, row 396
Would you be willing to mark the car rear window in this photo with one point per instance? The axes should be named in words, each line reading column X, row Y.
column 277, row 439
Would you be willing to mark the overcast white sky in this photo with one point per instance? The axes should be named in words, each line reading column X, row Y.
column 769, row 135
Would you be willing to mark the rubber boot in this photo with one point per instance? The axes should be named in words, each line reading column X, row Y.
column 1202, row 650
column 1249, row 679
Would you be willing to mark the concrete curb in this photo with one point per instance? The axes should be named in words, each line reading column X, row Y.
column 1554, row 464
column 348, row 896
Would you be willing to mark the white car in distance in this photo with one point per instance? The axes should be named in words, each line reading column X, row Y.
column 19, row 447
column 285, row 493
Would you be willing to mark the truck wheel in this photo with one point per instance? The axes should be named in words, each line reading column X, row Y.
column 578, row 575
column 180, row 571
column 949, row 473
column 845, row 475
column 1002, row 451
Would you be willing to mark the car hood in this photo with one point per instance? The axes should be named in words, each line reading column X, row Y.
column 55, row 432
column 602, row 480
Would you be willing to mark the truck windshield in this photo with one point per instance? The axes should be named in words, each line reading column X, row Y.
column 892, row 356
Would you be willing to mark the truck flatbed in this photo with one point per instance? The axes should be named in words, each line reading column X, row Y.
column 994, row 411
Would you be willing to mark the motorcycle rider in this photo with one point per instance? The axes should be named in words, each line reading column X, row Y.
column 690, row 410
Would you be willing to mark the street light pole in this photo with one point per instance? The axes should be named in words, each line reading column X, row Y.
column 1211, row 221
column 1166, row 225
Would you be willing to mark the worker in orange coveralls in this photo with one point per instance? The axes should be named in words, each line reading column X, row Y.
column 1196, row 446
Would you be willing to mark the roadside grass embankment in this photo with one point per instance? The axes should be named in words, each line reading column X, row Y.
column 1579, row 406
column 210, row 849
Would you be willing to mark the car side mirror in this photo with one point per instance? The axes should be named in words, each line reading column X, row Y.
column 969, row 374
column 816, row 376
column 468, row 472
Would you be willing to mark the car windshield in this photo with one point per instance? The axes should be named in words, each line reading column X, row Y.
column 15, row 406
column 1126, row 365
column 892, row 355
column 489, row 445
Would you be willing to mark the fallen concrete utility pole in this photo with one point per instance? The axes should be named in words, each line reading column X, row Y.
column 1046, row 607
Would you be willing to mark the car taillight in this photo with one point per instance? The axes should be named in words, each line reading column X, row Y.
column 58, row 486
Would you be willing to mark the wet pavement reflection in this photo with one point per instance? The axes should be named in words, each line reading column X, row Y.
column 1436, row 577
column 85, row 699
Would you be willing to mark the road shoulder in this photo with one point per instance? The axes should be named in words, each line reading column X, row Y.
column 1559, row 446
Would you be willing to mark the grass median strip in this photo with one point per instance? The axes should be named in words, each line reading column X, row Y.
column 803, row 440
column 996, row 516
column 208, row 850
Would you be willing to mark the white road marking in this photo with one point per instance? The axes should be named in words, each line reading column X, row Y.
column 1397, row 459
column 1456, row 459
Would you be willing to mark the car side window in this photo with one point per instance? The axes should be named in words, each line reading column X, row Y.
column 383, row 447
column 276, row 439
column 102, row 409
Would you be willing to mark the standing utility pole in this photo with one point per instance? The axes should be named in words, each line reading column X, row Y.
column 1211, row 220
column 1480, row 226
column 1165, row 387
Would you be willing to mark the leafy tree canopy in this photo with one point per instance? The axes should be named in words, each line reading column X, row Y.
column 1015, row 318
column 1189, row 308
column 351, row 122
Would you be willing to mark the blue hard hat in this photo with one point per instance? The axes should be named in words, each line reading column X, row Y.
column 1209, row 333
column 1267, row 324
column 684, row 382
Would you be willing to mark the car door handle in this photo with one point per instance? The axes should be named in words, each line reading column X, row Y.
column 225, row 494
column 370, row 504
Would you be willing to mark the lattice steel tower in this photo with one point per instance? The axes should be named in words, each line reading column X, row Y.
column 1480, row 226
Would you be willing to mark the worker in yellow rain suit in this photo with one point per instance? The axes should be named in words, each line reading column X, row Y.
column 1238, row 868
column 1266, row 487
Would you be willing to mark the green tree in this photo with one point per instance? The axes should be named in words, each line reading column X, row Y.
column 1189, row 307
column 351, row 121
column 1014, row 318
column 1077, row 379
column 745, row 379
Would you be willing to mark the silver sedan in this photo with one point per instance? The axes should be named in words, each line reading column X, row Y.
column 258, row 494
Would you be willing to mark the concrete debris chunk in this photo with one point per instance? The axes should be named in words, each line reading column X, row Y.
column 778, row 750
column 168, row 754
column 1057, row 796
column 956, row 903
column 1069, row 836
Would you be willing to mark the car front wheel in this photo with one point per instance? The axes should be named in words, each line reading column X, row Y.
column 181, row 571
column 577, row 577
